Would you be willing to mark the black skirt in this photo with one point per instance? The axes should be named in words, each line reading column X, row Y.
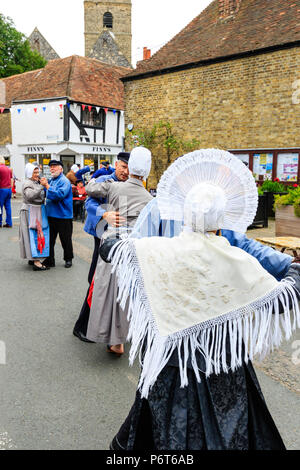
column 223, row 412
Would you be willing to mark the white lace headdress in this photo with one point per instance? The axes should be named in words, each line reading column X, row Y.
column 211, row 182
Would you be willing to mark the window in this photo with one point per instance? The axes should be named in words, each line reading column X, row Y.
column 244, row 157
column 107, row 20
column 287, row 166
column 92, row 118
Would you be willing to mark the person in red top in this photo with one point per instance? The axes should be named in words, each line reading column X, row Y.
column 79, row 197
column 6, row 176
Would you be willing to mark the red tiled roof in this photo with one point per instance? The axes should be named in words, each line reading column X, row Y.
column 82, row 79
column 258, row 24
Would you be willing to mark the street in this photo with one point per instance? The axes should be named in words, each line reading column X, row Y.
column 59, row 393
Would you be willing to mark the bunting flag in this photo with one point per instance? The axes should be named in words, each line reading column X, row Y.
column 35, row 110
column 44, row 109
column 90, row 108
column 19, row 111
column 61, row 106
column 69, row 105
column 75, row 106
column 114, row 111
column 83, row 107
column 97, row 109
column 2, row 110
column 106, row 110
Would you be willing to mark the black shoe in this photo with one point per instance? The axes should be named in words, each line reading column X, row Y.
column 31, row 263
column 7, row 226
column 49, row 264
column 68, row 264
column 81, row 336
column 37, row 268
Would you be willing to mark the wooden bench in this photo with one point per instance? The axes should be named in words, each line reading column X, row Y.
column 282, row 243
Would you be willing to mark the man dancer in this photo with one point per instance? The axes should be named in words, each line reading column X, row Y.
column 6, row 182
column 59, row 205
column 99, row 219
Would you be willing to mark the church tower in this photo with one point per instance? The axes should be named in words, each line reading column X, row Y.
column 112, row 16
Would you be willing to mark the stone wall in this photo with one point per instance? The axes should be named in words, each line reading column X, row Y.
column 240, row 104
column 121, row 11
column 5, row 129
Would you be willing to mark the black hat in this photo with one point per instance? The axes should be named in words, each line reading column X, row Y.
column 55, row 162
column 124, row 156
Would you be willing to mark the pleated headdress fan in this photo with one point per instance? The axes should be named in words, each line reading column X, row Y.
column 215, row 168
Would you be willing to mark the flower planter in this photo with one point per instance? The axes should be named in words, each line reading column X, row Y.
column 270, row 202
column 287, row 224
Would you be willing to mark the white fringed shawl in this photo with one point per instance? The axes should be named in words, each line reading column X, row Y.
column 196, row 292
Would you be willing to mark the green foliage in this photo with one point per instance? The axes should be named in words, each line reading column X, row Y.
column 16, row 55
column 164, row 144
column 273, row 187
column 290, row 199
column 260, row 191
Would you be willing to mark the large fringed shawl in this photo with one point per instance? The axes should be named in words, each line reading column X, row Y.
column 195, row 293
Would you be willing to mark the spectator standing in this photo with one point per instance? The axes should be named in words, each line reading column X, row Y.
column 59, row 205
column 6, row 182
column 79, row 197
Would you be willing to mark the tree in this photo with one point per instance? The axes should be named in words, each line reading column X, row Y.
column 164, row 144
column 16, row 55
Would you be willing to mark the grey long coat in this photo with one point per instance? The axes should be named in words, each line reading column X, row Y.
column 108, row 322
column 33, row 194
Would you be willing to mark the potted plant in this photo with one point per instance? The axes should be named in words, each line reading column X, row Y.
column 287, row 209
column 272, row 188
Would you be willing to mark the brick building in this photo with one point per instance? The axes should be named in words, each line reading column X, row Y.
column 231, row 79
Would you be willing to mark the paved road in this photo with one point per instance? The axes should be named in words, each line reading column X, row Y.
column 59, row 393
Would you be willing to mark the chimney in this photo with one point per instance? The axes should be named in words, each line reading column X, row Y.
column 146, row 53
column 228, row 8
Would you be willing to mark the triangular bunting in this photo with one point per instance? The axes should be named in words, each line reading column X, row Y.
column 106, row 110
column 35, row 110
column 90, row 108
column 44, row 109
column 97, row 109
column 114, row 111
column 2, row 110
column 19, row 111
column 83, row 107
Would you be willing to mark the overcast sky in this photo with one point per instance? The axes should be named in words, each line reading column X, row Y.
column 154, row 22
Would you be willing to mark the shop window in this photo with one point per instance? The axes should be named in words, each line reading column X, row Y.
column 287, row 166
column 263, row 166
column 92, row 118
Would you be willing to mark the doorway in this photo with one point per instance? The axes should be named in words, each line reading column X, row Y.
column 67, row 162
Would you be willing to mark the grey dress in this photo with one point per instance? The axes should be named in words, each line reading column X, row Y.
column 108, row 322
column 33, row 195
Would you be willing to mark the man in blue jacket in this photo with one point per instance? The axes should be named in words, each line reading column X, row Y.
column 59, row 206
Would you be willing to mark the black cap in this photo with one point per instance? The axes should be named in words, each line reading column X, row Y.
column 55, row 162
column 124, row 156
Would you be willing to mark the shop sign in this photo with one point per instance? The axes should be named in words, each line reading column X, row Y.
column 35, row 149
column 101, row 150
